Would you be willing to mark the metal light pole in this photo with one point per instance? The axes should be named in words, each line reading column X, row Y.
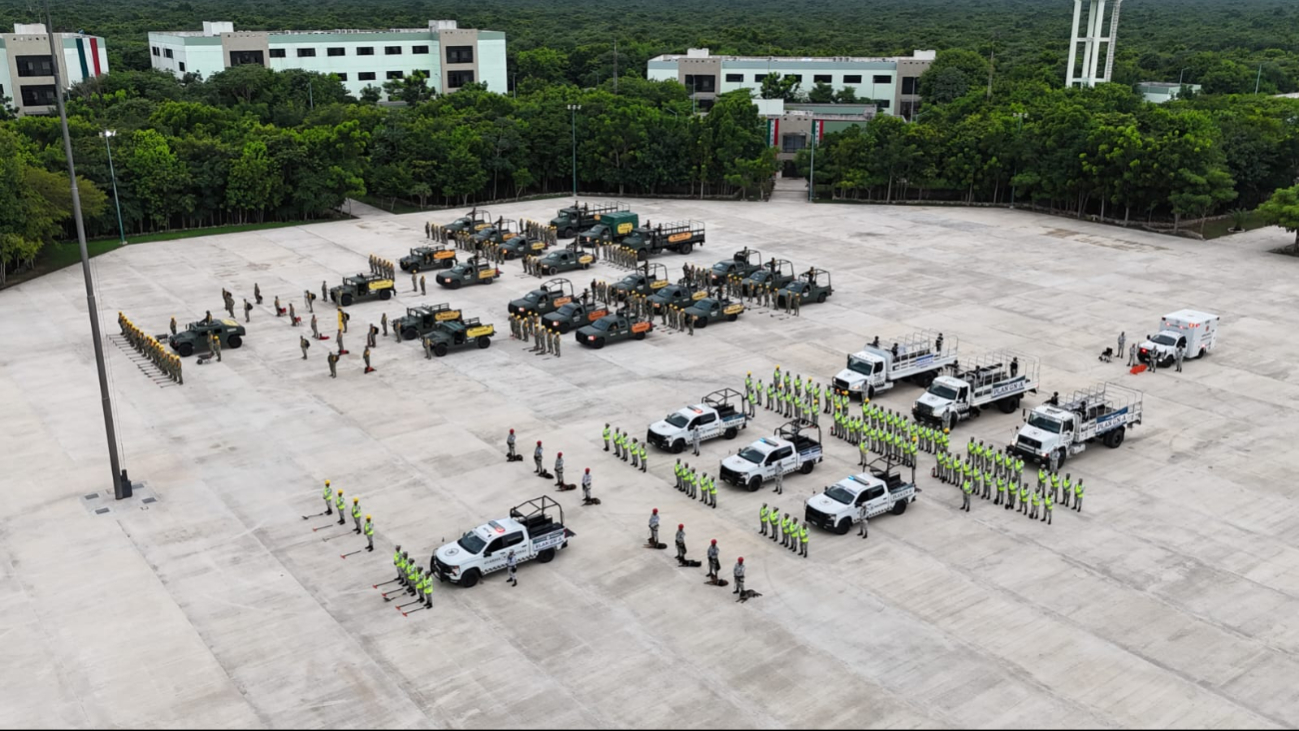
column 811, row 175
column 1258, row 78
column 572, row 108
column 107, row 135
column 1179, row 75
column 121, row 486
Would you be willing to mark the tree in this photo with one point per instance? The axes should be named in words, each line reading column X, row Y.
column 155, row 174
column 949, row 84
column 413, row 89
column 822, row 93
column 254, row 183
column 846, row 95
column 371, row 94
column 775, row 86
column 545, row 65
column 953, row 66
column 1282, row 209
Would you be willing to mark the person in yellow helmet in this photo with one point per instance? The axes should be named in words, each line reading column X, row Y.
column 369, row 534
column 356, row 514
column 329, row 494
column 338, row 503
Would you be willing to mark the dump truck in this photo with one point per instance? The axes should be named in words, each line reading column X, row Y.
column 679, row 236
column 448, row 334
column 609, row 227
column 470, row 222
column 426, row 258
column 195, row 336
column 571, row 257
column 644, row 281
column 1195, row 332
column 568, row 222
column 1057, row 430
column 550, row 296
column 534, row 529
column 795, row 447
column 741, row 264
column 880, row 488
column 612, row 328
column 812, row 285
column 714, row 309
column 420, row 321
column 1000, row 379
column 470, row 271
column 361, row 288
column 920, row 357
column 775, row 273
column 719, row 414
column 574, row 314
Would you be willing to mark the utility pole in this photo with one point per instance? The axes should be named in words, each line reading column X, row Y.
column 121, row 230
column 121, row 485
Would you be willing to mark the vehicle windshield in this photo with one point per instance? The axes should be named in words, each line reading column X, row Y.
column 532, row 296
column 631, row 280
column 567, row 310
column 603, row 323
column 722, row 267
column 943, row 391
column 857, row 365
column 471, row 543
column 677, row 419
column 838, row 494
column 750, row 454
column 796, row 287
column 1164, row 339
column 706, row 304
column 667, row 294
column 1044, row 423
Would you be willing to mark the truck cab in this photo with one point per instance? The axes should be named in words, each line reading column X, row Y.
column 1057, row 430
column 775, row 273
column 741, row 264
column 1195, row 332
column 424, row 258
column 545, row 299
column 574, row 314
column 999, row 378
column 919, row 357
column 360, row 288
column 581, row 216
column 679, row 236
column 838, row 507
column 421, row 320
column 811, row 286
column 609, row 227
column 524, row 245
column 450, row 334
column 721, row 414
column 714, row 309
column 674, row 295
column 611, row 329
column 792, row 448
column 504, row 229
column 565, row 260
column 645, row 281
column 534, row 529
column 471, row 221
column 470, row 271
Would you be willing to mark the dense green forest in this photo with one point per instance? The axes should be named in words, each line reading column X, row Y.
column 252, row 145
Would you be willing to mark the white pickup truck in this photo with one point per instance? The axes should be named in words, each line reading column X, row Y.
column 1055, row 431
column 919, row 357
column 790, row 450
column 531, row 532
column 1000, row 378
column 1195, row 332
column 838, row 508
column 715, row 417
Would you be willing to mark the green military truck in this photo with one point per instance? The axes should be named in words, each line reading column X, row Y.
column 468, row 272
column 674, row 295
column 425, row 258
column 195, row 336
column 644, row 281
column 545, row 299
column 420, row 321
column 714, row 309
column 574, row 314
column 558, row 261
column 568, row 222
column 775, row 273
column 498, row 232
column 609, row 228
column 475, row 220
column 519, row 246
column 611, row 329
column 681, row 237
column 741, row 264
column 361, row 288
column 812, row 285
column 449, row 334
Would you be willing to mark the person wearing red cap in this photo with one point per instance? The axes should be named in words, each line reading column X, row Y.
column 739, row 577
column 654, row 528
column 681, row 542
column 714, row 562
column 509, row 443
column 586, row 486
column 536, row 457
column 559, row 469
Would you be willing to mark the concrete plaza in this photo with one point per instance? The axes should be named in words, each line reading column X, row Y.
column 1173, row 600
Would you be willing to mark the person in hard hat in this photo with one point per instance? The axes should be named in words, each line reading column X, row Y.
column 356, row 513
column 714, row 563
column 329, row 494
column 511, row 564
column 338, row 503
column 586, row 486
column 536, row 457
column 369, row 534
column 739, row 576
column 559, row 469
column 428, row 590
column 681, row 542
column 654, row 528
column 509, row 444
column 399, row 563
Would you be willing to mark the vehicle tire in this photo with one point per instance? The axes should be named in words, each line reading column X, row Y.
column 234, row 341
column 546, row 556
column 639, row 336
column 731, row 433
column 409, row 333
column 1062, row 455
column 185, row 349
column 899, row 507
column 821, row 297
column 843, row 527
column 455, row 284
column 702, row 322
column 599, row 343
column 755, row 484
column 440, row 349
column 484, row 343
column 385, row 294
column 586, row 266
column 678, row 446
column 566, row 233
column 642, row 255
column 346, row 300
column 470, row 578
column 1007, row 405
column 407, row 267
column 732, row 318
column 1203, row 353
column 1115, row 438
column 565, row 328
column 686, row 248
column 807, row 467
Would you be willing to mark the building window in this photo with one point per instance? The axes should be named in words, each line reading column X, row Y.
column 277, row 53
column 365, row 76
column 735, row 78
column 883, row 104
column 882, row 79
column 419, row 49
column 460, row 54
column 166, row 52
column 365, row 50
column 341, row 77
column 822, row 79
column 34, row 66
column 395, row 74
column 182, row 67
column 38, row 95
column 392, row 50
column 239, row 58
column 852, row 78
column 792, row 143
column 909, row 85
column 757, row 78
column 457, row 79
column 335, row 51
column 909, row 110
column 702, row 83
column 156, row 52
column 796, row 77
column 306, row 53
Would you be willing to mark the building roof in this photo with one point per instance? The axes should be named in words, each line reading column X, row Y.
column 919, row 56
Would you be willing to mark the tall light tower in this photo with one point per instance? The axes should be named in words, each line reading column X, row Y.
column 1092, row 37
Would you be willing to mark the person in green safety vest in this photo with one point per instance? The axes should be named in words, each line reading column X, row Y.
column 369, row 534
column 1049, row 505
column 762, row 520
column 966, row 490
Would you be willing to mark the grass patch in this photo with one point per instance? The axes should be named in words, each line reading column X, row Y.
column 1218, row 229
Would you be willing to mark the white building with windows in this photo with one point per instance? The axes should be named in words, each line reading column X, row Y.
column 891, row 84
column 452, row 56
column 27, row 68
